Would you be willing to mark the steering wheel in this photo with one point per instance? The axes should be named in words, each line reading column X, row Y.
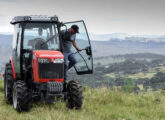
column 40, row 44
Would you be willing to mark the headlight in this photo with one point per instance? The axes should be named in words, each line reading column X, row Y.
column 59, row 60
column 43, row 60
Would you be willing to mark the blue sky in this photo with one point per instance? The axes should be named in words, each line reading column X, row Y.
column 135, row 17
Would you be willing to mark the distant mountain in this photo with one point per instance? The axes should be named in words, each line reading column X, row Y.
column 105, row 37
column 113, row 45
column 125, row 36
column 117, row 47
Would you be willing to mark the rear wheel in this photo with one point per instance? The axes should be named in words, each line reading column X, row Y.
column 21, row 96
column 8, row 84
column 74, row 97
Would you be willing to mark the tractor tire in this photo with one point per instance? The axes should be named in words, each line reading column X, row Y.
column 21, row 96
column 8, row 84
column 74, row 97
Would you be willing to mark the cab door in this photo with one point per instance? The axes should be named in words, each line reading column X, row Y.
column 84, row 57
column 16, row 49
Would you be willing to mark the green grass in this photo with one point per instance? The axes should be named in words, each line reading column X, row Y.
column 141, row 75
column 99, row 104
column 133, row 76
column 112, row 75
column 151, row 72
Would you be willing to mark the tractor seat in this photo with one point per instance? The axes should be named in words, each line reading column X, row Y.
column 40, row 44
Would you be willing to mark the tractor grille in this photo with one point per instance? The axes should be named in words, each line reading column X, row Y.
column 50, row 70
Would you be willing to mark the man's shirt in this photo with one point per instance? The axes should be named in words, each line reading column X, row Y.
column 67, row 40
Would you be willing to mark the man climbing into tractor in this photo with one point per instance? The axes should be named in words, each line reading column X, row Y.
column 68, row 38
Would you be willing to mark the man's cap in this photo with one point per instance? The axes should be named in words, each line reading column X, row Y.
column 75, row 28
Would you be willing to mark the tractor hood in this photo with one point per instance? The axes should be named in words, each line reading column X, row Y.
column 51, row 55
column 48, row 66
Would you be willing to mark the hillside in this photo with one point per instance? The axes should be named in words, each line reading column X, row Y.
column 113, row 46
column 99, row 104
column 116, row 62
column 128, row 46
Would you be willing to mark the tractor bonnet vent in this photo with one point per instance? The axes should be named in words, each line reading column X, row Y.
column 34, row 18
column 50, row 70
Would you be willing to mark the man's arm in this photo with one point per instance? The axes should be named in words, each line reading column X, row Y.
column 75, row 45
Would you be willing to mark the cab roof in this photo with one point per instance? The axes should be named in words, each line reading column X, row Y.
column 34, row 18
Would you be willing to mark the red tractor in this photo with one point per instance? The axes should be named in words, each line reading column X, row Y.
column 36, row 68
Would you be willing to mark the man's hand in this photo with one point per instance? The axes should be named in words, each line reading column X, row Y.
column 79, row 49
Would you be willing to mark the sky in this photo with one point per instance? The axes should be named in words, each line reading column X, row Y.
column 134, row 17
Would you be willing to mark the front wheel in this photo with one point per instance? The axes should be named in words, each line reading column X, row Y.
column 74, row 97
column 21, row 96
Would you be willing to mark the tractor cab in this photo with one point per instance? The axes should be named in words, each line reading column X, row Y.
column 36, row 67
column 43, row 33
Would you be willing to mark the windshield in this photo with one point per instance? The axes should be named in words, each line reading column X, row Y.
column 41, row 36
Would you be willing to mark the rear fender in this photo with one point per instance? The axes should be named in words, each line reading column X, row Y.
column 13, row 69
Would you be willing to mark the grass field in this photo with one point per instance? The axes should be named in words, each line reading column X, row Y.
column 99, row 104
column 149, row 74
column 141, row 75
column 133, row 76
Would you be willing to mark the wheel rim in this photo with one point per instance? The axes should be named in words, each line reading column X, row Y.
column 15, row 97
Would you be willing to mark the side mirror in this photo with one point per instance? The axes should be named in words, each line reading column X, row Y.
column 88, row 50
